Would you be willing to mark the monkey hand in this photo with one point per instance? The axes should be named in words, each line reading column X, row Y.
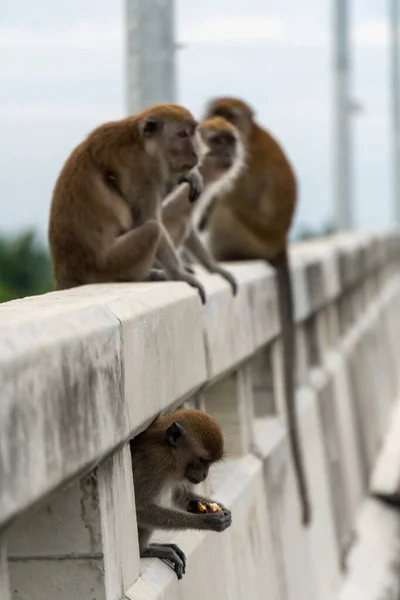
column 216, row 521
column 195, row 181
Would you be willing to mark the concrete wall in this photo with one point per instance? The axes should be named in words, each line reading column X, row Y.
column 83, row 370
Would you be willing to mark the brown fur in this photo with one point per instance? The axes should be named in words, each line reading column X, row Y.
column 251, row 221
column 221, row 160
column 105, row 222
column 175, row 449
column 202, row 428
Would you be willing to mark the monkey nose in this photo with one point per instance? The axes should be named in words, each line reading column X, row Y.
column 192, row 161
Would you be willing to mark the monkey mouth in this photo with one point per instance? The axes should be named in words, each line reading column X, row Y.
column 195, row 480
column 226, row 163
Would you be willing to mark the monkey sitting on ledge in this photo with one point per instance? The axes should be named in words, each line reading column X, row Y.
column 105, row 217
column 221, row 161
column 175, row 452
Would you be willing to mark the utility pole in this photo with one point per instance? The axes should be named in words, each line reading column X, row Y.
column 341, row 121
column 150, row 53
column 395, row 105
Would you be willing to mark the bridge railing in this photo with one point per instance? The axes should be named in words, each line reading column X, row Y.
column 83, row 370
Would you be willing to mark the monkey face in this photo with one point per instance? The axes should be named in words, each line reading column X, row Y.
column 191, row 461
column 174, row 141
column 180, row 146
column 220, row 141
column 197, row 470
column 233, row 110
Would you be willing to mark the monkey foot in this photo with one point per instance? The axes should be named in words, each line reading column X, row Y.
column 170, row 553
column 229, row 278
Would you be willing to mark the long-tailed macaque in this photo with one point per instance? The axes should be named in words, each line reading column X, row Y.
column 251, row 221
column 105, row 217
column 172, row 455
column 221, row 160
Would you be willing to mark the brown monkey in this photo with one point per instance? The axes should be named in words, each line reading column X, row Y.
column 251, row 221
column 105, row 217
column 174, row 452
column 221, row 160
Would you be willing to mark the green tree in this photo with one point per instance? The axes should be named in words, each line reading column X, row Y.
column 306, row 232
column 25, row 266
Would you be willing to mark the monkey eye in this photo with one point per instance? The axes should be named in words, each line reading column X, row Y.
column 204, row 462
column 224, row 138
column 224, row 113
column 183, row 133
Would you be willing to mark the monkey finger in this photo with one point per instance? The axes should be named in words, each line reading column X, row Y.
column 177, row 551
column 167, row 554
column 195, row 283
column 195, row 187
column 230, row 279
column 202, row 293
column 224, row 509
column 178, row 566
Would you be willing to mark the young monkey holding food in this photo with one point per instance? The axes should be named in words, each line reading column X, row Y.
column 175, row 452
column 221, row 161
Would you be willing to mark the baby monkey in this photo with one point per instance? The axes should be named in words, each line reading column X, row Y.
column 221, row 161
column 173, row 453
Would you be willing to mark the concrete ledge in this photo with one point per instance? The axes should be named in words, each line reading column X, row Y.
column 84, row 369
column 222, row 565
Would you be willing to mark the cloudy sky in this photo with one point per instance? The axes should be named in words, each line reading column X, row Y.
column 62, row 73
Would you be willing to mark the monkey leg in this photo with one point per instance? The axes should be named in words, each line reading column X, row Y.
column 132, row 254
column 157, row 275
column 169, row 259
column 186, row 261
column 194, row 244
column 169, row 553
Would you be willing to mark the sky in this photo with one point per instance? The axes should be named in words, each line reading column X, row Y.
column 62, row 73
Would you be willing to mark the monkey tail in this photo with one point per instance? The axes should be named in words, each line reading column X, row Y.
column 286, row 314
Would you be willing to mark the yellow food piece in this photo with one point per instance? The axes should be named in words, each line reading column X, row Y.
column 214, row 507
column 196, row 507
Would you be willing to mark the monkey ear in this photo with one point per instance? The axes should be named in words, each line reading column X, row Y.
column 150, row 126
column 174, row 433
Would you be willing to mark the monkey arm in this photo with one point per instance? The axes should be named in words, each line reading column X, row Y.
column 194, row 244
column 203, row 223
column 154, row 516
column 176, row 203
column 132, row 254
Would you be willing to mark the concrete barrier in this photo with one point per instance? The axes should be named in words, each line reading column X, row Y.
column 84, row 370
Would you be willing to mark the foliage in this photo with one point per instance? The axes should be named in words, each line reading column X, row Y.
column 306, row 232
column 25, row 266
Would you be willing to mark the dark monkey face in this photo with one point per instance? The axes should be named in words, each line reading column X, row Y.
column 237, row 112
column 197, row 469
column 191, row 459
column 221, row 141
column 174, row 142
